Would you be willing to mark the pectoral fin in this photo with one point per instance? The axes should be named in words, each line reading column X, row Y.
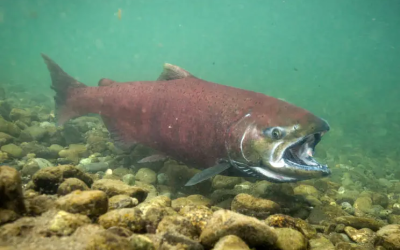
column 208, row 173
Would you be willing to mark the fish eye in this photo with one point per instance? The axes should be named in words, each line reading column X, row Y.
column 275, row 133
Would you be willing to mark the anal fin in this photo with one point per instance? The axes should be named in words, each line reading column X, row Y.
column 208, row 173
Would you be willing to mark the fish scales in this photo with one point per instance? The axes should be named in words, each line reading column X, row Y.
column 186, row 118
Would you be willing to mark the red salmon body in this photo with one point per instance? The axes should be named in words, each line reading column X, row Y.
column 187, row 118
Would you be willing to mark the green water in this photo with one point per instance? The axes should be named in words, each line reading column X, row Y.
column 338, row 58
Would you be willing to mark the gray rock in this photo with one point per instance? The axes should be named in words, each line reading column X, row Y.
column 129, row 179
column 34, row 133
column 34, row 165
column 13, row 150
column 146, row 175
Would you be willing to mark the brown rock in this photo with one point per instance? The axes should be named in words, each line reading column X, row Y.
column 70, row 185
column 91, row 203
column 252, row 206
column 37, row 204
column 362, row 205
column 325, row 213
column 116, row 187
column 360, row 222
column 141, row 242
column 154, row 210
column 11, row 196
column 48, row 179
column 224, row 222
column 28, row 234
column 225, row 182
column 177, row 224
column 197, row 215
column 389, row 236
column 364, row 235
column 196, row 199
column 231, row 242
column 7, row 216
column 130, row 218
column 65, row 223
column 290, row 239
column 120, row 231
column 177, row 241
column 285, row 221
column 321, row 243
column 121, row 201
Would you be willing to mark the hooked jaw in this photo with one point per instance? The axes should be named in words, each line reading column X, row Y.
column 282, row 153
column 298, row 159
column 295, row 163
column 295, row 160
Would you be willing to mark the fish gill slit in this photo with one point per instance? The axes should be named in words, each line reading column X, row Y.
column 241, row 145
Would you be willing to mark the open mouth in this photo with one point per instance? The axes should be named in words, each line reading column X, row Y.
column 299, row 156
column 296, row 163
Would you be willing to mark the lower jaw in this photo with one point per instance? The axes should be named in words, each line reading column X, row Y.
column 295, row 172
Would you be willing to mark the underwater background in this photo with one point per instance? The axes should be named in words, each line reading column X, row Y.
column 339, row 59
column 69, row 187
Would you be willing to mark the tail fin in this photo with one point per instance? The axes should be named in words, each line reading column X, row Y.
column 61, row 82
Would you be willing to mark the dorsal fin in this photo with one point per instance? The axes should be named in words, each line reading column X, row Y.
column 106, row 82
column 173, row 72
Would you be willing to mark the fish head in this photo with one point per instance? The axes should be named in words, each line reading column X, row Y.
column 279, row 146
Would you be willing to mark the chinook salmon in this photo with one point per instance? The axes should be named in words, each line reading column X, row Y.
column 219, row 129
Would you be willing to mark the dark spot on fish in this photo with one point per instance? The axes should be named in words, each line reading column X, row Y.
column 295, row 69
column 213, row 63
